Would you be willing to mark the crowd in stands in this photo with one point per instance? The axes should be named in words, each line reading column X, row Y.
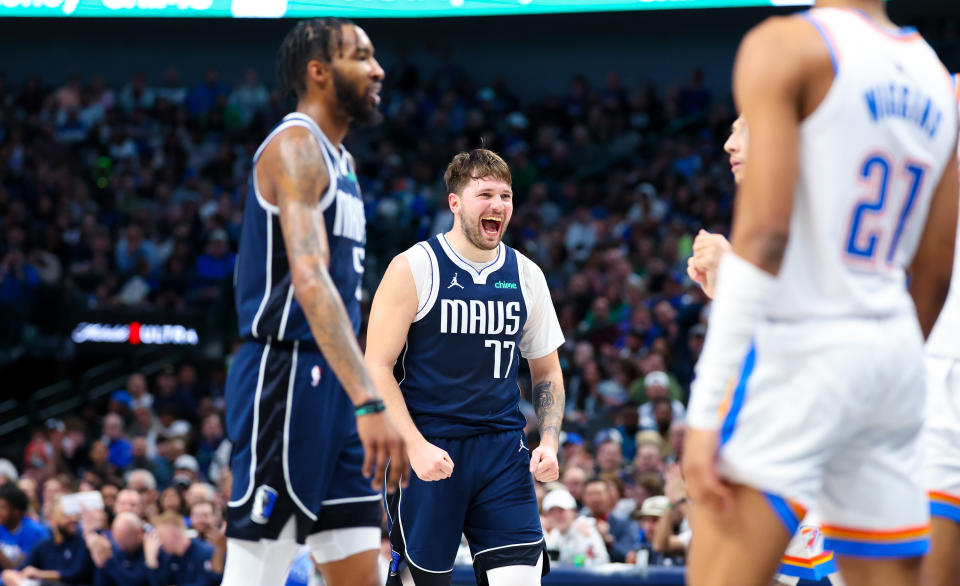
column 132, row 197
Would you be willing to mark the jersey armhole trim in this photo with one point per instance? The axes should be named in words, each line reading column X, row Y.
column 523, row 284
column 434, row 284
column 827, row 39
column 331, row 170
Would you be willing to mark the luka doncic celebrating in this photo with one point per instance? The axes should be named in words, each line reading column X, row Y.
column 461, row 306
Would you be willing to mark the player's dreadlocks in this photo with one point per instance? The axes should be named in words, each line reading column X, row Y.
column 316, row 38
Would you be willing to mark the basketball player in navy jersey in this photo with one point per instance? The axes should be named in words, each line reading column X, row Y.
column 304, row 416
column 460, row 306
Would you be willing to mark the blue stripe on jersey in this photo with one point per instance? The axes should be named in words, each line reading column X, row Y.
column 266, row 305
column 461, row 359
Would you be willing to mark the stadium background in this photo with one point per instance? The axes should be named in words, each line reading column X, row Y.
column 613, row 124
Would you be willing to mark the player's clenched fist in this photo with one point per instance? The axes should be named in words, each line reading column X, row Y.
column 430, row 462
column 544, row 465
column 381, row 442
column 708, row 249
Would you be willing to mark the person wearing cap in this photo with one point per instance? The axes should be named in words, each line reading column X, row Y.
column 648, row 516
column 572, row 540
column 657, row 385
column 8, row 472
column 185, row 470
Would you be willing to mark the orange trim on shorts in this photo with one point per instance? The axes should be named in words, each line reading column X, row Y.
column 727, row 401
column 799, row 510
column 942, row 497
column 901, row 534
column 809, row 563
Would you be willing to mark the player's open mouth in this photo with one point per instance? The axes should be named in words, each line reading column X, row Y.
column 491, row 225
column 374, row 94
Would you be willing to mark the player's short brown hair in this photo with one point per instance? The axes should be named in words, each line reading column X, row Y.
column 475, row 164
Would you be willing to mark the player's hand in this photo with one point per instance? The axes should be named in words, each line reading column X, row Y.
column 704, row 485
column 381, row 442
column 544, row 465
column 430, row 462
column 708, row 249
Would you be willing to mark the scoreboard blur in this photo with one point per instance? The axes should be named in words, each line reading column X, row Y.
column 349, row 8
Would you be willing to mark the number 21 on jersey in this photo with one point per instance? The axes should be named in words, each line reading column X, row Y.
column 892, row 188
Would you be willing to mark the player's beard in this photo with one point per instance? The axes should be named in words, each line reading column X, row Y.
column 355, row 103
column 471, row 230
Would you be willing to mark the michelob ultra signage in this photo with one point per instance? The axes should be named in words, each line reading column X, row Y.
column 117, row 330
column 350, row 8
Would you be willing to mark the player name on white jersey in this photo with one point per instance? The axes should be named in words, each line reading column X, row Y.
column 458, row 316
column 902, row 101
column 351, row 222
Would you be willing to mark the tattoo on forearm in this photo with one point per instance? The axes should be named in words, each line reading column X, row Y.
column 299, row 182
column 548, row 401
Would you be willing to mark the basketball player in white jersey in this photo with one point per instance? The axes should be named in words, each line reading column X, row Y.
column 941, row 438
column 851, row 180
column 805, row 557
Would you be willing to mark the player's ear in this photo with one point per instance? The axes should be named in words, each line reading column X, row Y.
column 319, row 72
column 453, row 200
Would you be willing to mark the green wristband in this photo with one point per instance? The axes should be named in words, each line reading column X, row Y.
column 375, row 406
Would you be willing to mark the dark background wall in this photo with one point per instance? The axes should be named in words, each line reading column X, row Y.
column 535, row 54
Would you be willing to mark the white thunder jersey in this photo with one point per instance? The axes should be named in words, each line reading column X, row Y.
column 871, row 156
column 944, row 340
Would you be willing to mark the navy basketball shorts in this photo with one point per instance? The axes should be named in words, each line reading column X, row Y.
column 489, row 498
column 295, row 446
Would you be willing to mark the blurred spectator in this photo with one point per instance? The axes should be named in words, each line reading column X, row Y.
column 142, row 482
column 618, row 534
column 139, row 394
column 213, row 453
column 649, row 458
column 249, row 97
column 19, row 535
column 173, row 401
column 574, row 479
column 62, row 558
column 174, row 558
column 648, row 516
column 128, row 501
column 203, row 519
column 185, row 471
column 119, row 447
column 171, row 501
column 8, row 472
column 610, row 456
column 657, row 385
column 572, row 540
column 199, row 492
column 667, row 540
column 119, row 559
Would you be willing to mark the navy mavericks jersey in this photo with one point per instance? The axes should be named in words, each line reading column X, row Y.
column 266, row 305
column 460, row 362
